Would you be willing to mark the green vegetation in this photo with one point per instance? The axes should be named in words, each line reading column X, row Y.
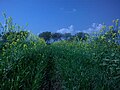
column 28, row 63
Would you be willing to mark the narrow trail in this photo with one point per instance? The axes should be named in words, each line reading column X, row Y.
column 50, row 79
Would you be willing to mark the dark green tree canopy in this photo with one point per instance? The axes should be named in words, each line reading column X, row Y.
column 67, row 36
column 46, row 35
column 82, row 36
column 56, row 36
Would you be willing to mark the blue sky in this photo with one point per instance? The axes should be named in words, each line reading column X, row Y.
column 61, row 15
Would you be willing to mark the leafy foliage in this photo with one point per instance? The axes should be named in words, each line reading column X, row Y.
column 46, row 35
column 67, row 36
column 82, row 36
column 56, row 36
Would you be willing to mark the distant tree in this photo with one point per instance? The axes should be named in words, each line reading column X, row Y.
column 0, row 35
column 46, row 36
column 72, row 38
column 56, row 36
column 67, row 36
column 81, row 36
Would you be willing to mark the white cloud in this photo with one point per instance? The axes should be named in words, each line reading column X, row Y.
column 94, row 25
column 61, row 8
column 94, row 28
column 68, row 11
column 70, row 29
column 74, row 10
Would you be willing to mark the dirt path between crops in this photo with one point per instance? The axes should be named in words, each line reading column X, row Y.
column 51, row 80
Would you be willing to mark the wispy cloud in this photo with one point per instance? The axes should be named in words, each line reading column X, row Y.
column 69, row 11
column 74, row 10
column 94, row 28
column 69, row 29
column 62, row 8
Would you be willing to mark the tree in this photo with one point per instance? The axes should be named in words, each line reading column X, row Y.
column 0, row 35
column 56, row 36
column 46, row 36
column 82, row 36
column 67, row 36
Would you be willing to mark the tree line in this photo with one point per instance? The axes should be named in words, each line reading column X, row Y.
column 50, row 37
